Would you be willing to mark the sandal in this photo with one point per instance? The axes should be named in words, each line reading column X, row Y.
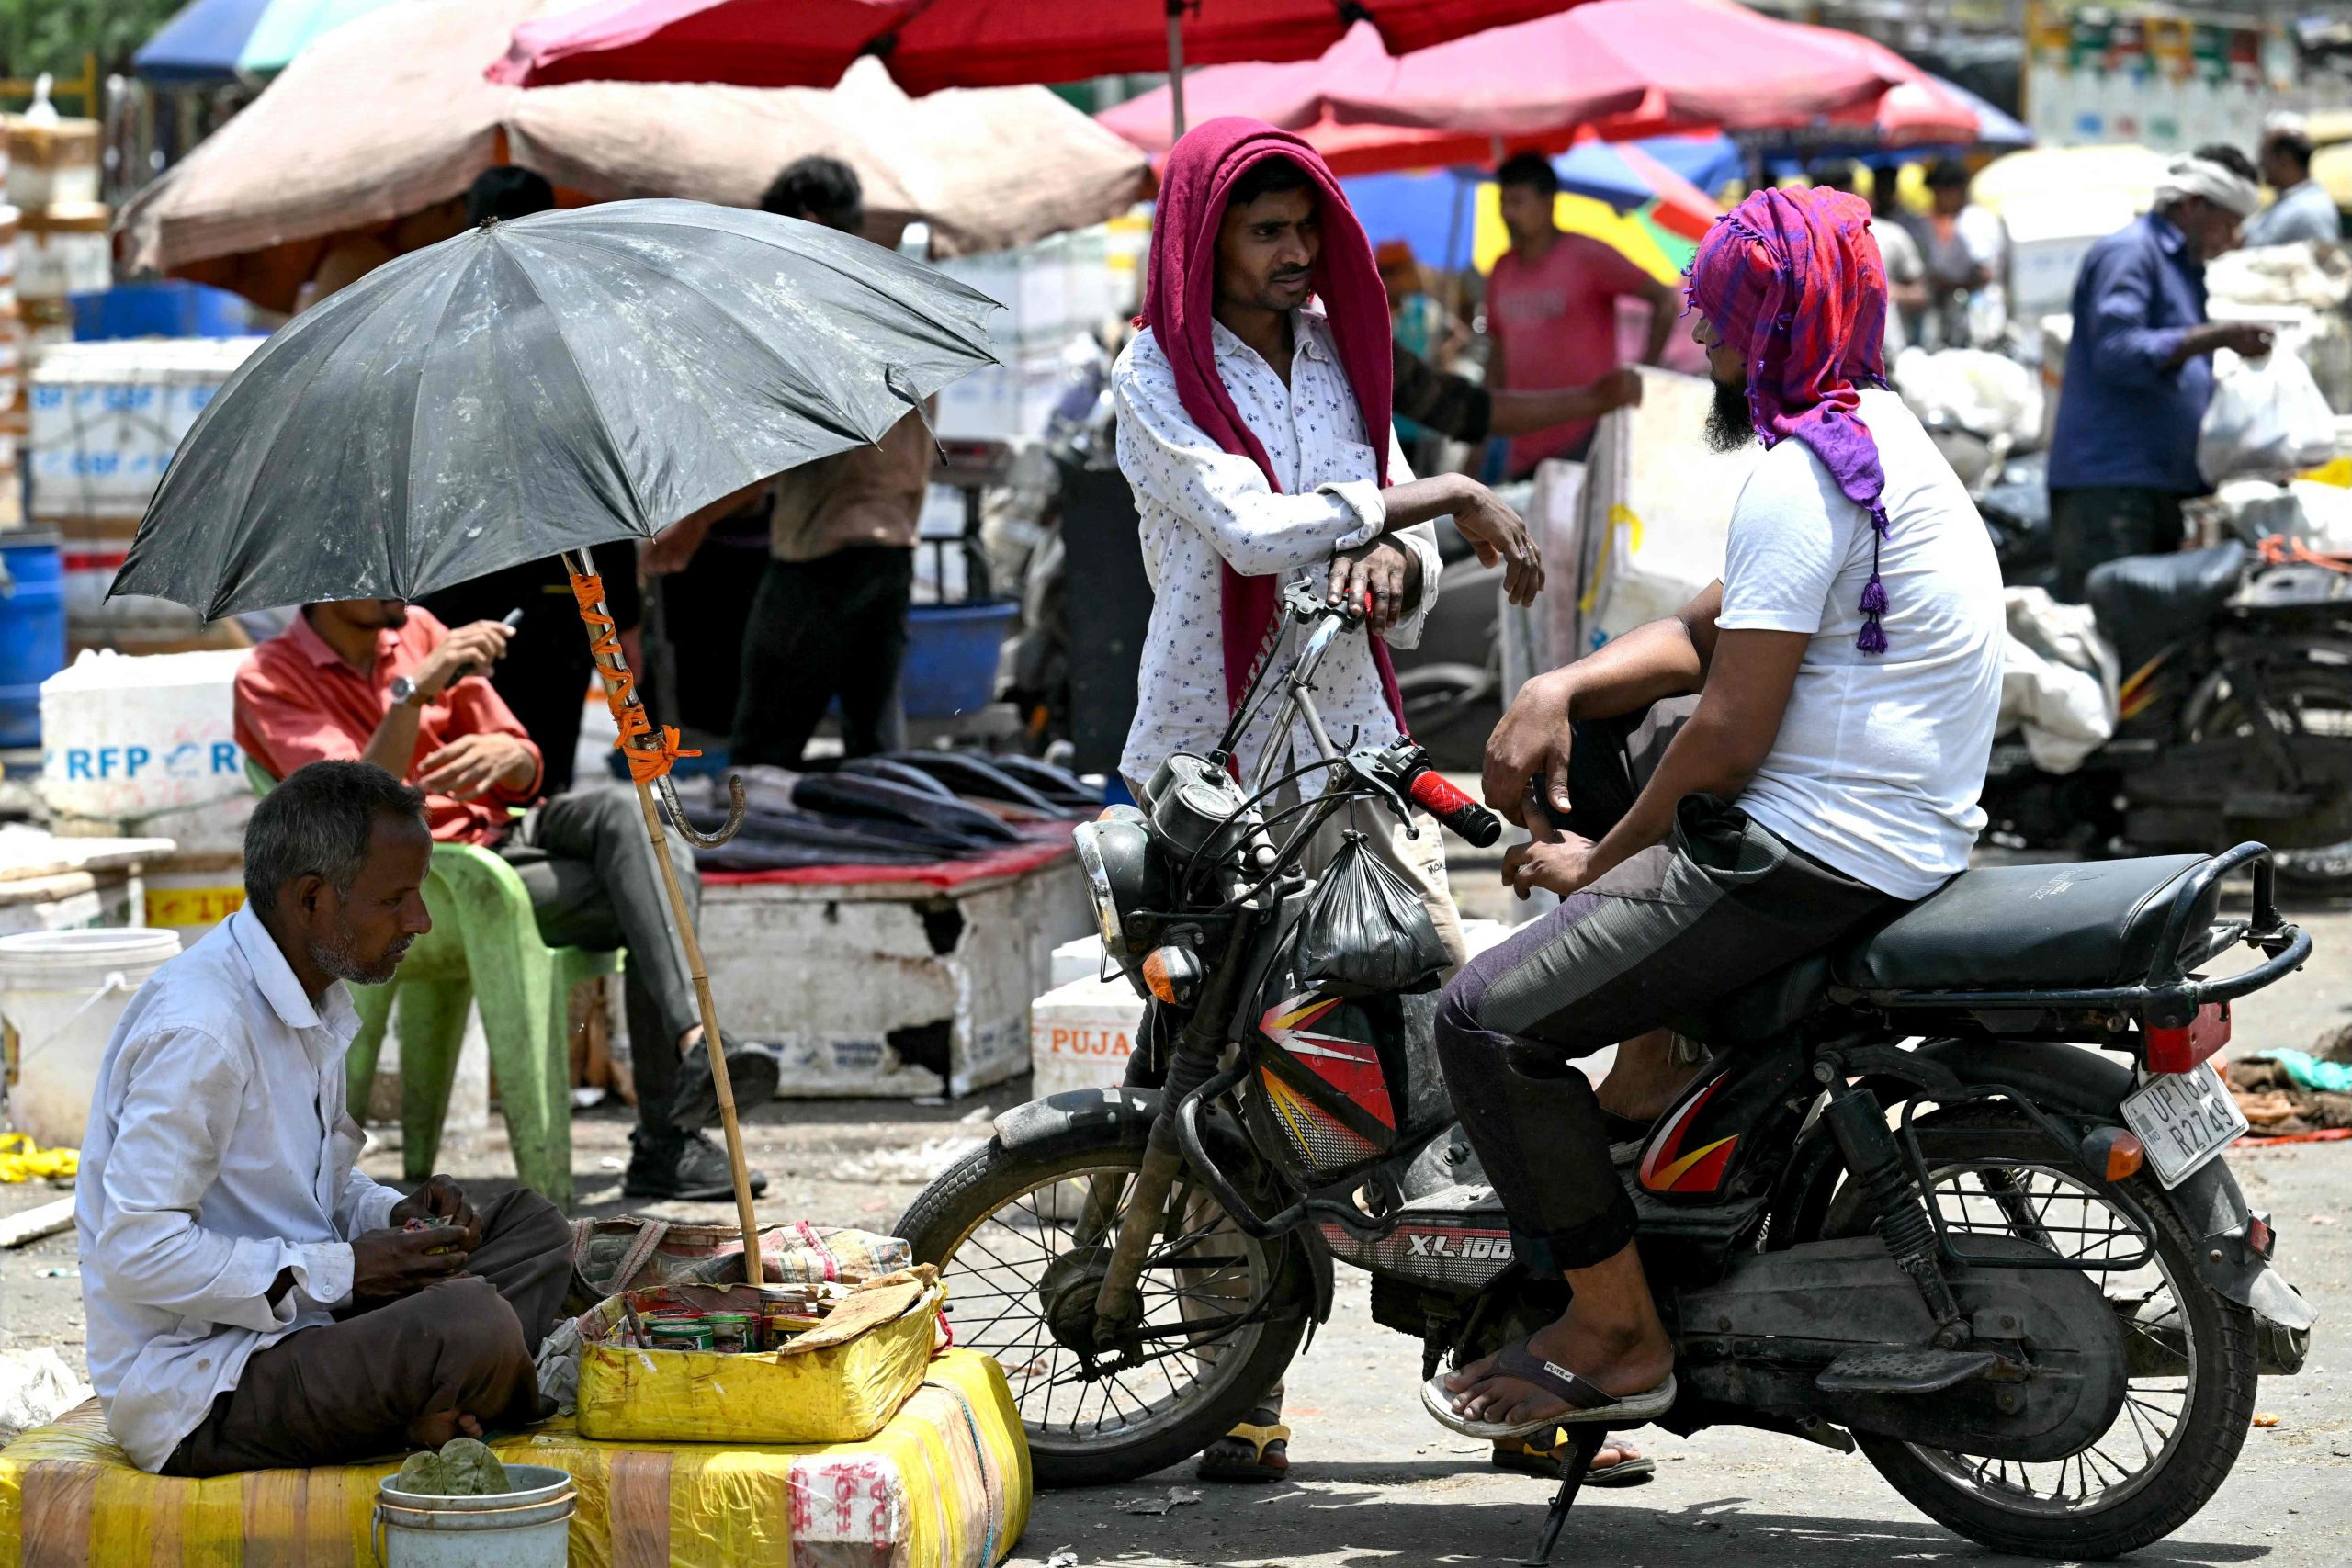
column 1526, row 1459
column 1259, row 1438
column 1586, row 1401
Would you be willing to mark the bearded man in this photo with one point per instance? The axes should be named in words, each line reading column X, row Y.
column 254, row 1300
column 1714, row 796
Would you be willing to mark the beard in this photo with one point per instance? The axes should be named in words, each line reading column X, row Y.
column 1730, row 426
column 337, row 957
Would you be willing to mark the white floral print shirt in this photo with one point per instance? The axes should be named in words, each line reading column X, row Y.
column 1202, row 507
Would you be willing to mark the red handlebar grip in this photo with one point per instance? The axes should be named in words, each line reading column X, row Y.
column 1429, row 790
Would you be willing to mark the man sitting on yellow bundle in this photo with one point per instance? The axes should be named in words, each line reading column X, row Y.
column 254, row 1300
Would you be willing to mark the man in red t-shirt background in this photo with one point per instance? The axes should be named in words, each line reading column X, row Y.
column 1551, row 308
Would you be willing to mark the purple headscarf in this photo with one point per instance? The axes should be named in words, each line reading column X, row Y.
column 1794, row 281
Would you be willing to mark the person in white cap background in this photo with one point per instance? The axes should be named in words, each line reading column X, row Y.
column 2300, row 211
column 2140, row 369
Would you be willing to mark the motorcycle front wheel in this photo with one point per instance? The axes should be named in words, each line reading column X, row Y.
column 2310, row 698
column 2190, row 1354
column 1020, row 1241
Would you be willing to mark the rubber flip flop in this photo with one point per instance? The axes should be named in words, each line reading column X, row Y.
column 1526, row 1459
column 1260, row 1439
column 1586, row 1401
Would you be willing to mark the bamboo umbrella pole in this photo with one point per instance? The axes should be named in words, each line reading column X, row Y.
column 638, row 735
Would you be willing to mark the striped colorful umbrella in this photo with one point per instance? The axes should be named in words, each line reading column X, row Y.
column 230, row 40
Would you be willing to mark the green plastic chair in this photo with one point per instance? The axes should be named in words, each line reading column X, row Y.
column 484, row 948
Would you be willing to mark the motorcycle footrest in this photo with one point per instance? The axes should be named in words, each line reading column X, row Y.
column 1903, row 1372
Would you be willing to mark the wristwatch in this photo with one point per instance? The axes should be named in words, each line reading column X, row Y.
column 404, row 693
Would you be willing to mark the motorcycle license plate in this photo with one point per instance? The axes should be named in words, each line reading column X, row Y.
column 2184, row 1119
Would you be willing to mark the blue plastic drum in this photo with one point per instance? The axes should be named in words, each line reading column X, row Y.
column 32, row 634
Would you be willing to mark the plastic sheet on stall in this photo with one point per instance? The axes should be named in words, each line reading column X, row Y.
column 840, row 1382
column 638, row 1252
column 2059, row 680
column 946, row 1484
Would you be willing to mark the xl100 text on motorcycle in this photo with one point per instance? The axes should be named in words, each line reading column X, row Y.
column 1950, row 1193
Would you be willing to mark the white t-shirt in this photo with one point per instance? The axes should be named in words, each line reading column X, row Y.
column 1881, row 757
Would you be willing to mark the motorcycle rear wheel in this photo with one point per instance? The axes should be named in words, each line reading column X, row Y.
column 999, row 1226
column 2187, row 1440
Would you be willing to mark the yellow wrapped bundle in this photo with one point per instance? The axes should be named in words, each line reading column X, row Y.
column 838, row 1381
column 945, row 1485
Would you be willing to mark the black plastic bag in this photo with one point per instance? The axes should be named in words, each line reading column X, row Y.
column 1365, row 930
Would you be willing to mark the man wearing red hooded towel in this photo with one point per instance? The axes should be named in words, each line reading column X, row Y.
column 1254, row 415
column 1846, row 677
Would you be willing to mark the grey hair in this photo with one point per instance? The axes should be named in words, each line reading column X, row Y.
column 319, row 823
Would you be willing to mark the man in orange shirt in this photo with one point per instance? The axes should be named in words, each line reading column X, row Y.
column 1551, row 308
column 379, row 681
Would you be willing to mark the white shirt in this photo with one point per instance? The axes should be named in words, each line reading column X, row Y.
column 1202, row 507
column 218, row 1153
column 2302, row 211
column 1881, row 757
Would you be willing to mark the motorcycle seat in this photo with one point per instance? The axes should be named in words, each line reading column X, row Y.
column 2012, row 928
column 1765, row 1006
column 2145, row 604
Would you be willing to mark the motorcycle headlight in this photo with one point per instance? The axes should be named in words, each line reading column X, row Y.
column 1122, row 877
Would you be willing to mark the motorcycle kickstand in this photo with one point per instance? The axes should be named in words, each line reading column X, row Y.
column 1584, row 1442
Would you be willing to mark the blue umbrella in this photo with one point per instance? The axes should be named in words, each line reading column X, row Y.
column 1420, row 208
column 230, row 40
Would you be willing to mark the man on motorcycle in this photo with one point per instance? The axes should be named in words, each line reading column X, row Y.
column 1254, row 424
column 1847, row 676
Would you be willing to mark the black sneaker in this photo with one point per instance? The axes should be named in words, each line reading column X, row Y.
column 752, row 1072
column 682, row 1165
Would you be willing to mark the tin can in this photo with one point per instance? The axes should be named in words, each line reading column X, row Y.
column 730, row 1332
column 677, row 1334
column 777, row 1329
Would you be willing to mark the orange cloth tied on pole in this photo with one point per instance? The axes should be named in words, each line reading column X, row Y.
column 646, row 763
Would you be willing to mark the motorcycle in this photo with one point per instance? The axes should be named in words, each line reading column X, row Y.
column 2236, row 719
column 1950, row 1194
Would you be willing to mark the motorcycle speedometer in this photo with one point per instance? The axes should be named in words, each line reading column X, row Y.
column 1195, row 804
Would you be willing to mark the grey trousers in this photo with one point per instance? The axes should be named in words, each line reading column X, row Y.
column 584, row 858
column 349, row 1391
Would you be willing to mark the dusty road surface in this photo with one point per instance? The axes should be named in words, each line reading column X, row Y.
column 1377, row 1483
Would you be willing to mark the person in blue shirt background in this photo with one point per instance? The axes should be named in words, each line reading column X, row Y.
column 2140, row 371
column 2301, row 210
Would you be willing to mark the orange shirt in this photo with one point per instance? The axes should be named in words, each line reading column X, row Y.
column 298, row 702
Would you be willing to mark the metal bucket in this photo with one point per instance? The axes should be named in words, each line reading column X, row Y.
column 528, row 1527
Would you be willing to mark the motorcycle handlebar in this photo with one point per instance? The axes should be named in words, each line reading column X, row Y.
column 1430, row 791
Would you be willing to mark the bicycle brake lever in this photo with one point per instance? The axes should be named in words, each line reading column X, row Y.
column 1366, row 766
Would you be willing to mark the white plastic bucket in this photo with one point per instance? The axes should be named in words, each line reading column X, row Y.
column 528, row 1527
column 62, row 993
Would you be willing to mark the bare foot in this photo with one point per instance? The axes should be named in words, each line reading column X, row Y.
column 430, row 1431
column 1615, row 1452
column 1618, row 1363
column 1645, row 1082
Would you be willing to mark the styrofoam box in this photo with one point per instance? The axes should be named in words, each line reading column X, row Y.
column 889, row 988
column 1078, row 960
column 147, row 744
column 65, row 249
column 107, row 416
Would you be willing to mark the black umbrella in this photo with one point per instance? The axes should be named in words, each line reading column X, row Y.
column 534, row 387
column 539, row 386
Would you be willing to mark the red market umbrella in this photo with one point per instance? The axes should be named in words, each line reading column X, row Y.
column 1919, row 110
column 1296, row 95
column 1707, row 63
column 930, row 44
